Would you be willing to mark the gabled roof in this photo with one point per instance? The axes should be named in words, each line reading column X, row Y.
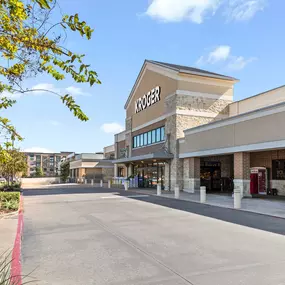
column 179, row 69
column 191, row 70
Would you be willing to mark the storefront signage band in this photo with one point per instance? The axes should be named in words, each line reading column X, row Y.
column 148, row 99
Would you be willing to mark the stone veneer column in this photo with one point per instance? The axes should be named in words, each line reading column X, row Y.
column 115, row 170
column 191, row 174
column 242, row 172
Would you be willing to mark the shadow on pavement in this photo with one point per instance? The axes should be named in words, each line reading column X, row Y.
column 243, row 218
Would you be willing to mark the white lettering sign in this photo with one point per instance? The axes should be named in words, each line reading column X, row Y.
column 148, row 99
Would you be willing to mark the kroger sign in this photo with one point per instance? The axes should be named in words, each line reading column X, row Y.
column 148, row 99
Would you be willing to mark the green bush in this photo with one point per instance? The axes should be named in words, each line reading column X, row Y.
column 9, row 201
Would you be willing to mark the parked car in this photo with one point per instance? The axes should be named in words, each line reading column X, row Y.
column 3, row 180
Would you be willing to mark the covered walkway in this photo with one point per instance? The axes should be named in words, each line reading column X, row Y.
column 262, row 206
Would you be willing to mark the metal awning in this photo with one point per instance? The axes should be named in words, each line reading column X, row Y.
column 155, row 155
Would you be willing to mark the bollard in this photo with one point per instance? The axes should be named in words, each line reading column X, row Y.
column 237, row 198
column 126, row 186
column 85, row 181
column 109, row 183
column 176, row 192
column 101, row 183
column 202, row 194
column 82, row 180
column 92, row 181
column 158, row 189
column 78, row 180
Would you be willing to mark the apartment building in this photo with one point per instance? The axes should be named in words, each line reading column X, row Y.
column 48, row 162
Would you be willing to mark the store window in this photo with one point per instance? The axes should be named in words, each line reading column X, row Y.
column 158, row 131
column 153, row 136
column 162, row 134
column 148, row 138
column 145, row 139
column 278, row 169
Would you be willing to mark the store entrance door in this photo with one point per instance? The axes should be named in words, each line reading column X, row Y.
column 211, row 176
column 150, row 174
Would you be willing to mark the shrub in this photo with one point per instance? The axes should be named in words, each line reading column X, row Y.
column 9, row 201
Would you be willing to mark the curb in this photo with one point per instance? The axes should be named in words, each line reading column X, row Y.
column 212, row 205
column 16, row 265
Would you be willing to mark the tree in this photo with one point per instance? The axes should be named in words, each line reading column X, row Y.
column 39, row 172
column 31, row 42
column 64, row 171
column 15, row 164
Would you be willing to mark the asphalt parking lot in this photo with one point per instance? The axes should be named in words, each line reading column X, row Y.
column 101, row 236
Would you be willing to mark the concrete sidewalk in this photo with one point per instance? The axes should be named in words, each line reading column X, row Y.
column 8, row 228
column 260, row 206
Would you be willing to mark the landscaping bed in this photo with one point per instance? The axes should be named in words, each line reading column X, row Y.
column 9, row 202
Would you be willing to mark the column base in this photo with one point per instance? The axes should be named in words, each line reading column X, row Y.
column 191, row 184
column 244, row 186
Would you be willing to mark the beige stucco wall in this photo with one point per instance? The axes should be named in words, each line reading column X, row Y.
column 149, row 81
column 207, row 85
column 256, row 102
column 80, row 164
column 258, row 130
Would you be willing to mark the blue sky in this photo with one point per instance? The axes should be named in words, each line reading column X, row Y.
column 241, row 38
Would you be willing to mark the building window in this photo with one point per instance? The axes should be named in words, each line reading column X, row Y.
column 278, row 169
column 148, row 138
column 141, row 139
column 145, row 138
column 162, row 133
column 158, row 139
column 153, row 136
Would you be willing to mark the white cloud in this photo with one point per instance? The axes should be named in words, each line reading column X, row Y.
column 54, row 123
column 239, row 62
column 197, row 10
column 112, row 128
column 76, row 91
column 44, row 88
column 179, row 10
column 243, row 10
column 220, row 53
column 38, row 149
column 10, row 95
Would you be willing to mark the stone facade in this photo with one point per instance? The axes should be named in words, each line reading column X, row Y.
column 128, row 124
column 242, row 172
column 175, row 126
column 199, row 104
column 279, row 185
column 191, row 174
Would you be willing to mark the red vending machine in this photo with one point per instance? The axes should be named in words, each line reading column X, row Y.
column 258, row 181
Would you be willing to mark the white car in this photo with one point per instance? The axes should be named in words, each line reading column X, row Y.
column 3, row 180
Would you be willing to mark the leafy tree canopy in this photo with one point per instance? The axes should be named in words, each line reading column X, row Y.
column 32, row 43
